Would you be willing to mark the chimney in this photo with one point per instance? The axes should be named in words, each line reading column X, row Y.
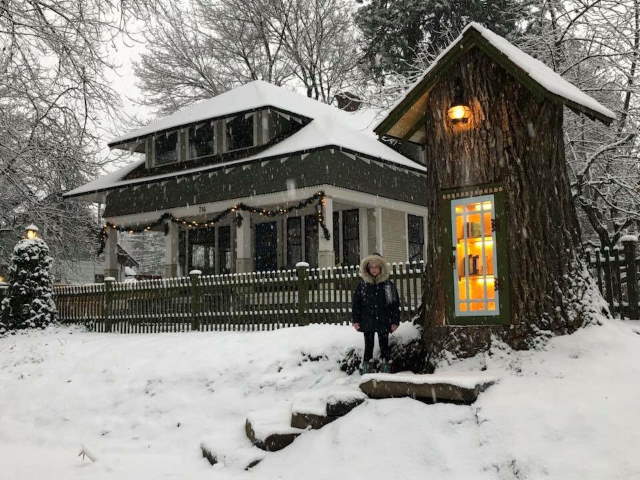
column 348, row 102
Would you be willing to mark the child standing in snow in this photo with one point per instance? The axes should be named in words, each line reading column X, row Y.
column 375, row 309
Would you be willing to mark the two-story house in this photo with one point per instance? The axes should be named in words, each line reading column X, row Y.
column 234, row 183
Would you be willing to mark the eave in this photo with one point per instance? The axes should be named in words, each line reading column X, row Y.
column 404, row 120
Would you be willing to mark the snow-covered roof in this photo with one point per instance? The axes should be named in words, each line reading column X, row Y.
column 545, row 77
column 250, row 96
column 330, row 127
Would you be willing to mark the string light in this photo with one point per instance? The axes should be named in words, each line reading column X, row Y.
column 167, row 217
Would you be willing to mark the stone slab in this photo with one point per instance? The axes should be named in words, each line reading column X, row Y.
column 271, row 442
column 429, row 388
column 305, row 421
column 338, row 406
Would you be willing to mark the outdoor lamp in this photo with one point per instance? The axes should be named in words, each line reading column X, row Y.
column 459, row 112
column 31, row 232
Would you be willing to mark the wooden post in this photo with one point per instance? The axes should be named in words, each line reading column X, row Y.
column 630, row 244
column 196, row 304
column 303, row 291
column 111, row 267
column 608, row 278
column 171, row 250
column 108, row 294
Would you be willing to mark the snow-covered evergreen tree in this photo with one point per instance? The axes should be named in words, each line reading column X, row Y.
column 30, row 298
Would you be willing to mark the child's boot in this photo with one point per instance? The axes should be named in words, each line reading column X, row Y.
column 364, row 368
column 386, row 368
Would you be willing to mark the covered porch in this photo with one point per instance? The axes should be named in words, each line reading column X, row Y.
column 357, row 224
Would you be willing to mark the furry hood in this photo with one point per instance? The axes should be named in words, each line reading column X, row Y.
column 384, row 269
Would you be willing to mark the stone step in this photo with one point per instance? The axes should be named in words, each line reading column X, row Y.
column 432, row 388
column 270, row 430
column 318, row 410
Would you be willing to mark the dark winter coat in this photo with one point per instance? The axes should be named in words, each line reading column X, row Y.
column 376, row 304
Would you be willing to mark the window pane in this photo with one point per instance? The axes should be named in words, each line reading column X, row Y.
column 224, row 249
column 311, row 240
column 201, row 140
column 240, row 132
column 415, row 227
column 202, row 250
column 351, row 237
column 166, row 145
column 474, row 266
column 294, row 241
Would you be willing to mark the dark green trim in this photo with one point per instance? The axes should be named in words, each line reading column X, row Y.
column 473, row 38
column 325, row 167
column 241, row 163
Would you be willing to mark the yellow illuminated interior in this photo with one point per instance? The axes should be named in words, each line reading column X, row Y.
column 31, row 234
column 474, row 257
column 459, row 113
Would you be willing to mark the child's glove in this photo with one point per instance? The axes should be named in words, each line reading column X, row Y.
column 356, row 326
column 394, row 327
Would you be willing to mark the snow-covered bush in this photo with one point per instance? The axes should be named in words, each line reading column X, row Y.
column 29, row 301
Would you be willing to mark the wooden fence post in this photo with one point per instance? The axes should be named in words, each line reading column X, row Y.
column 108, row 294
column 303, row 291
column 630, row 244
column 196, row 303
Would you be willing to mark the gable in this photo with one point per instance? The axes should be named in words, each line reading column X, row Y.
column 533, row 74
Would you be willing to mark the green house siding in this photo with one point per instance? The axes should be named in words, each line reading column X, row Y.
column 330, row 167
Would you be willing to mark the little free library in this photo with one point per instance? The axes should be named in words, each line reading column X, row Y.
column 466, row 172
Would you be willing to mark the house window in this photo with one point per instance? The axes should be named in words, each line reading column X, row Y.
column 294, row 241
column 311, row 240
column 284, row 125
column 201, row 140
column 224, row 249
column 201, row 254
column 240, row 132
column 415, row 235
column 166, row 148
column 474, row 266
column 351, row 237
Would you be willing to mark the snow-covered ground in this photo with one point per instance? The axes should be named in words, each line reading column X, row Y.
column 143, row 404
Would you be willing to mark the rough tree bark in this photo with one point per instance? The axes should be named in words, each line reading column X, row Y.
column 516, row 140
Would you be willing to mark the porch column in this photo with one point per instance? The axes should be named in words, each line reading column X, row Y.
column 377, row 228
column 326, row 255
column 363, row 233
column 111, row 268
column 171, row 251
column 243, row 244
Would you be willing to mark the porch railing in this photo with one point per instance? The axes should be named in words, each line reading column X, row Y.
column 616, row 273
column 244, row 301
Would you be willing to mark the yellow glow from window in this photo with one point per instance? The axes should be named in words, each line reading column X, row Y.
column 459, row 114
column 31, row 234
column 490, row 280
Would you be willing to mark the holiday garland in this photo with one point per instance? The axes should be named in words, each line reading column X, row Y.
column 240, row 207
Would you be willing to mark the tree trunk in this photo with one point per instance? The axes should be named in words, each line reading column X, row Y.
column 514, row 140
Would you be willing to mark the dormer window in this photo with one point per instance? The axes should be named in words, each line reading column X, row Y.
column 240, row 132
column 201, row 140
column 166, row 148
